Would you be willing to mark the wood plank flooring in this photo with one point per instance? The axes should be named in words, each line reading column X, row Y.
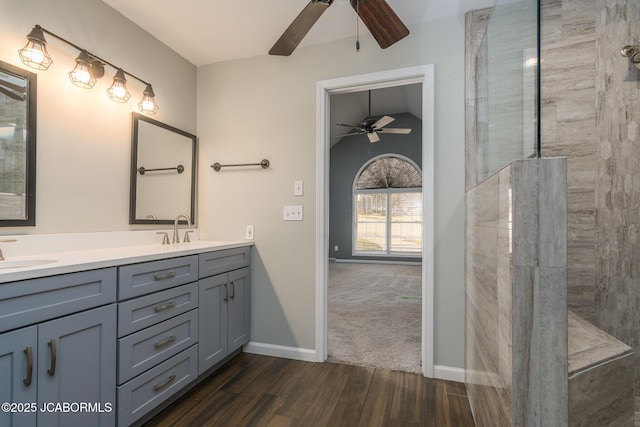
column 254, row 390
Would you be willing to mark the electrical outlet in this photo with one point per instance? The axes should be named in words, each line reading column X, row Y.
column 298, row 188
column 335, row 248
column 292, row 213
column 250, row 232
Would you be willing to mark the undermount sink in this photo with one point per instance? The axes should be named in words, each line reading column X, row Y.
column 24, row 263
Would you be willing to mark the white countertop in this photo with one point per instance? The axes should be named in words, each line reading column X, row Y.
column 89, row 257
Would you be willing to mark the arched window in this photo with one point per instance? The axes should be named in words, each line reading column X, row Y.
column 387, row 196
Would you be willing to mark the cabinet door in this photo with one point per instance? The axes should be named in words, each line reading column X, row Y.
column 17, row 370
column 239, row 308
column 212, row 321
column 77, row 366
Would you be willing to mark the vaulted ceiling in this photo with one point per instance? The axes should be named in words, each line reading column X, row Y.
column 351, row 108
column 209, row 31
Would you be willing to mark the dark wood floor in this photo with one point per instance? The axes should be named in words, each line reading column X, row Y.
column 254, row 390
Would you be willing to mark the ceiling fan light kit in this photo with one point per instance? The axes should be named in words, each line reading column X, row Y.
column 383, row 23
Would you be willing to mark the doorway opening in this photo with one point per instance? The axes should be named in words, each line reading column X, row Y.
column 422, row 75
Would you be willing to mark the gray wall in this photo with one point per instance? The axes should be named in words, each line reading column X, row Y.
column 347, row 157
column 265, row 107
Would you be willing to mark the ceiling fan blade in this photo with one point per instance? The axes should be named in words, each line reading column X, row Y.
column 348, row 134
column 382, row 122
column 373, row 137
column 381, row 20
column 349, row 126
column 402, row 131
column 299, row 28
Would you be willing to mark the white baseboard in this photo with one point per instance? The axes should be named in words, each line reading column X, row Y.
column 306, row 354
column 375, row 261
column 440, row 372
column 448, row 373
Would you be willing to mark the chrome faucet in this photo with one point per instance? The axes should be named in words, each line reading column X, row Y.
column 176, row 238
column 5, row 241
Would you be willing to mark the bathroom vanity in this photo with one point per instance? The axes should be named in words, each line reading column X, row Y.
column 117, row 334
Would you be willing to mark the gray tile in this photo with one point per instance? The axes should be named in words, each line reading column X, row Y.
column 553, row 212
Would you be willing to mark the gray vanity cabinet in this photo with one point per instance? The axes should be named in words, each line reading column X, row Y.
column 239, row 308
column 19, row 384
column 76, row 364
column 52, row 352
column 225, row 305
column 123, row 341
column 212, row 321
column 69, row 359
column 157, row 333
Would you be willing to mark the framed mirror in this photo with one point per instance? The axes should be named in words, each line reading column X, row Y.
column 163, row 172
column 17, row 146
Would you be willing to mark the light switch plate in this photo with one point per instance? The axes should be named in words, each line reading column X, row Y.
column 250, row 232
column 292, row 213
column 298, row 188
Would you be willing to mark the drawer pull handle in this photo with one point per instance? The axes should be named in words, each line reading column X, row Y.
column 233, row 289
column 165, row 276
column 29, row 352
column 54, row 354
column 226, row 292
column 162, row 385
column 167, row 306
column 166, row 342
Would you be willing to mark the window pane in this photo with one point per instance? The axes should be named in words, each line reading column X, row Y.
column 389, row 172
column 371, row 222
column 406, row 237
column 406, row 222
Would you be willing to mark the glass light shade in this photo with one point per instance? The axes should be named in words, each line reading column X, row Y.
column 118, row 91
column 81, row 75
column 148, row 104
column 34, row 54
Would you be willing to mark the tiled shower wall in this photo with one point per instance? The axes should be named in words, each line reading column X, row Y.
column 617, row 201
column 516, row 312
column 591, row 114
column 568, row 125
column 568, row 120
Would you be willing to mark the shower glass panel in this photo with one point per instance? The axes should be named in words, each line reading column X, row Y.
column 507, row 86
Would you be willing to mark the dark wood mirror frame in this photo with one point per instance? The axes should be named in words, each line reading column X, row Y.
column 30, row 126
column 137, row 171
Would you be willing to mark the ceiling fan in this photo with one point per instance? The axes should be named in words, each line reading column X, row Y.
column 372, row 127
column 377, row 15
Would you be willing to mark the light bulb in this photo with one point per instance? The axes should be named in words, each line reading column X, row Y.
column 118, row 91
column 34, row 54
column 81, row 75
column 148, row 104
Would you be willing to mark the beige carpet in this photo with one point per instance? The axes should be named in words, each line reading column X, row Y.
column 374, row 315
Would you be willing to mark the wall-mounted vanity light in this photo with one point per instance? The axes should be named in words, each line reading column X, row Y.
column 118, row 91
column 88, row 69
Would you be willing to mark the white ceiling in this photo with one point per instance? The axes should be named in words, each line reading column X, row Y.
column 209, row 31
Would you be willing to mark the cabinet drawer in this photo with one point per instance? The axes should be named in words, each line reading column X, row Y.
column 212, row 263
column 139, row 313
column 31, row 301
column 148, row 277
column 148, row 347
column 142, row 394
